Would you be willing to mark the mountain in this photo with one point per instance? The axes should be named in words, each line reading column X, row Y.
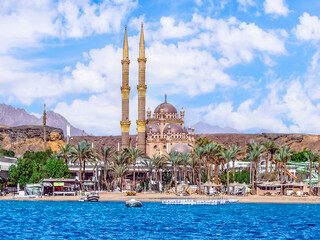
column 204, row 128
column 10, row 116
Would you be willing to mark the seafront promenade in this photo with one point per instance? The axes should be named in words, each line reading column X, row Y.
column 157, row 197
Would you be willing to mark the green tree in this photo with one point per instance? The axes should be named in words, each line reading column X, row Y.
column 312, row 157
column 185, row 162
column 175, row 159
column 158, row 162
column 65, row 152
column 106, row 153
column 254, row 152
column 81, row 153
column 227, row 154
column 120, row 171
column 56, row 168
column 270, row 148
column 283, row 155
column 134, row 154
column 199, row 153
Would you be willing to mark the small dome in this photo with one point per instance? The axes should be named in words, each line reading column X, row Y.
column 175, row 128
column 181, row 147
column 154, row 128
column 167, row 107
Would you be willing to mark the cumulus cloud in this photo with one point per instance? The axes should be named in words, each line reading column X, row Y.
column 276, row 7
column 239, row 41
column 26, row 23
column 244, row 4
column 309, row 27
column 291, row 111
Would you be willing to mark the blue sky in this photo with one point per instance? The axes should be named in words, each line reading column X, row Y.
column 244, row 64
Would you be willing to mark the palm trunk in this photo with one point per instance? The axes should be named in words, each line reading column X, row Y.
column 310, row 175
column 134, row 177
column 121, row 184
column 252, row 176
column 233, row 170
column 281, row 190
column 228, row 190
column 216, row 172
column 84, row 170
column 184, row 174
column 175, row 179
column 157, row 181
column 199, row 176
column 267, row 163
column 80, row 174
column 193, row 172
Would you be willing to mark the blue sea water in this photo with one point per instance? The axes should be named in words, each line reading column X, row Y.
column 113, row 220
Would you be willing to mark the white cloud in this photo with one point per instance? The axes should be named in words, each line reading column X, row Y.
column 239, row 41
column 293, row 111
column 309, row 27
column 169, row 30
column 244, row 4
column 26, row 23
column 276, row 7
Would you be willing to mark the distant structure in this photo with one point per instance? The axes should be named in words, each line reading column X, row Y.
column 44, row 127
column 165, row 130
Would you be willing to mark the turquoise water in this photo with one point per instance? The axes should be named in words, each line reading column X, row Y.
column 112, row 220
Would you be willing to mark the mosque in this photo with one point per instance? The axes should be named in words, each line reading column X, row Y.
column 164, row 130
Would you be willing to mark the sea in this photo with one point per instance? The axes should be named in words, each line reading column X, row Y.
column 113, row 220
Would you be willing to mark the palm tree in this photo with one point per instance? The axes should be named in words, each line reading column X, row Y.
column 236, row 151
column 158, row 162
column 311, row 157
column 227, row 155
column 148, row 163
column 270, row 147
column 193, row 163
column 283, row 155
column 106, row 152
column 254, row 152
column 81, row 152
column 120, row 158
column 65, row 152
column 175, row 159
column 211, row 151
column 120, row 171
column 199, row 152
column 185, row 162
column 134, row 154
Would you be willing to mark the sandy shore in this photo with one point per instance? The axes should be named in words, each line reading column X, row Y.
column 157, row 197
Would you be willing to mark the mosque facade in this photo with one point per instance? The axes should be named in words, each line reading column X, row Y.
column 163, row 130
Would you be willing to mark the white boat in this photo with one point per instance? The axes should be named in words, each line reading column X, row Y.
column 133, row 203
column 91, row 197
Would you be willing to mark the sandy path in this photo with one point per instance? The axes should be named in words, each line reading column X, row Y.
column 157, row 197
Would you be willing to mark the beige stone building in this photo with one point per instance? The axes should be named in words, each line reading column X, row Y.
column 160, row 133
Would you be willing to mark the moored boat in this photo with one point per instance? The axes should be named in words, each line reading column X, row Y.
column 133, row 203
column 91, row 197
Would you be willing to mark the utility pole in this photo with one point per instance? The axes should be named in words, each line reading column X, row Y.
column 44, row 127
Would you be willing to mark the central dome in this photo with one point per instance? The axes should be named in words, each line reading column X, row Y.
column 167, row 107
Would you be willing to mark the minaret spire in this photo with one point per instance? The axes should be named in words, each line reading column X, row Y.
column 142, row 87
column 125, row 91
column 141, row 47
column 125, row 45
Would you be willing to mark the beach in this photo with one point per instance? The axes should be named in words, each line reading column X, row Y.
column 157, row 197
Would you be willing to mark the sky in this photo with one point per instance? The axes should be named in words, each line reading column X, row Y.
column 243, row 64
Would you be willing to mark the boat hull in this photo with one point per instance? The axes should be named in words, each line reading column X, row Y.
column 133, row 204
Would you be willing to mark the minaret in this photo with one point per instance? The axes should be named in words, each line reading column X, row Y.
column 125, row 91
column 44, row 127
column 141, row 122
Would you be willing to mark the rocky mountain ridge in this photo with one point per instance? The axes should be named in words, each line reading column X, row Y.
column 13, row 117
